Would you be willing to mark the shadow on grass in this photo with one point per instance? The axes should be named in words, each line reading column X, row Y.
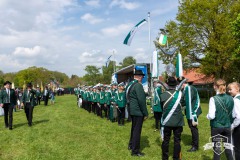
column 34, row 123
column 186, row 139
column 145, row 142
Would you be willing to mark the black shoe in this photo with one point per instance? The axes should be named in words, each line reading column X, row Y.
column 193, row 149
column 138, row 154
column 10, row 128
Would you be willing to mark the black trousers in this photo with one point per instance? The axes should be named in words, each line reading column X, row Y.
column 45, row 98
column 157, row 116
column 29, row 112
column 8, row 111
column 195, row 134
column 105, row 109
column 38, row 100
column 121, row 115
column 236, row 142
column 89, row 106
column 134, row 142
column 226, row 132
column 94, row 107
column 101, row 110
column 177, row 131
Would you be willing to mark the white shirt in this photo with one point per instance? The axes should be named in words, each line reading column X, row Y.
column 236, row 112
column 212, row 109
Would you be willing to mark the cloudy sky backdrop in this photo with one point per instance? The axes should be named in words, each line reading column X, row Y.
column 67, row 35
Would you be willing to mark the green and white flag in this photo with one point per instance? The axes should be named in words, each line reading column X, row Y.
column 179, row 67
column 131, row 34
column 155, row 64
column 162, row 39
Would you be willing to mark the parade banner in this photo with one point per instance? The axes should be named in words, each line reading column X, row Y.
column 179, row 67
column 162, row 39
column 155, row 64
column 131, row 34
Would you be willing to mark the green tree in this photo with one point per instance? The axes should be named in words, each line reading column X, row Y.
column 92, row 76
column 129, row 60
column 107, row 72
column 203, row 34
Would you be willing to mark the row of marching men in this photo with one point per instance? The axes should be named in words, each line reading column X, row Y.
column 107, row 101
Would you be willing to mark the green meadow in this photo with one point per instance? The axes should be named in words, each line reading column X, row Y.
column 65, row 132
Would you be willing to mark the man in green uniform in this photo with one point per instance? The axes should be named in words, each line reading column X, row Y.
column 172, row 119
column 101, row 100
column 38, row 95
column 8, row 101
column 136, row 99
column 29, row 101
column 191, row 100
column 157, row 109
column 120, row 99
column 107, row 102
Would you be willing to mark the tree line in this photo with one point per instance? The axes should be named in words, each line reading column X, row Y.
column 40, row 75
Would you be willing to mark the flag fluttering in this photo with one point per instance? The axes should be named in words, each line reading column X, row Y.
column 179, row 67
column 155, row 64
column 131, row 34
column 162, row 39
column 108, row 61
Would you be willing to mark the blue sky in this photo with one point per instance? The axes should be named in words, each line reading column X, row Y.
column 67, row 35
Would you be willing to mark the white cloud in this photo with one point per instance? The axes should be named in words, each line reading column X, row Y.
column 116, row 30
column 91, row 19
column 124, row 4
column 93, row 3
column 27, row 52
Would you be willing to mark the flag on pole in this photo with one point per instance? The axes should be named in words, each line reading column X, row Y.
column 155, row 64
column 131, row 34
column 179, row 67
column 162, row 39
column 108, row 61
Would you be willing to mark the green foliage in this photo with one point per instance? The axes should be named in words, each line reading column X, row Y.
column 92, row 76
column 107, row 72
column 203, row 34
column 127, row 61
column 64, row 132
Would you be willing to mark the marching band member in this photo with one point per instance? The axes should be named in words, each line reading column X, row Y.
column 191, row 100
column 157, row 108
column 172, row 119
column 120, row 99
column 220, row 115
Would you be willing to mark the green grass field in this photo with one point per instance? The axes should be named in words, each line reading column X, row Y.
column 65, row 132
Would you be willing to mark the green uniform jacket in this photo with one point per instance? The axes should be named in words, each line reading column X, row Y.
column 38, row 94
column 156, row 100
column 90, row 96
column 4, row 97
column 176, row 119
column 31, row 97
column 113, row 92
column 223, row 115
column 108, row 98
column 194, row 100
column 101, row 97
column 94, row 97
column 120, row 99
column 137, row 101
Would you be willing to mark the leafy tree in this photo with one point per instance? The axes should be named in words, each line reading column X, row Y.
column 107, row 72
column 129, row 60
column 203, row 35
column 92, row 76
